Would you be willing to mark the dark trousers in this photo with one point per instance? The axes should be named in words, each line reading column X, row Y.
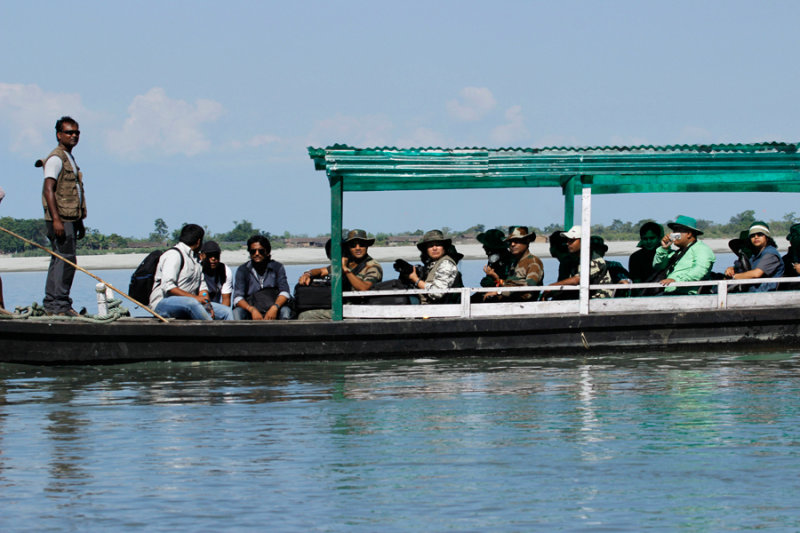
column 60, row 274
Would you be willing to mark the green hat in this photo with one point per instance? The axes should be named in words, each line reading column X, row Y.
column 759, row 226
column 492, row 239
column 433, row 236
column 794, row 233
column 359, row 235
column 683, row 222
column 597, row 243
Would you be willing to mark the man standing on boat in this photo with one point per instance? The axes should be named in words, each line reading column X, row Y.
column 765, row 262
column 179, row 286
column 692, row 261
column 64, row 210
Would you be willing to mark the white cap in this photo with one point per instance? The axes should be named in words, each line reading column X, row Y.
column 573, row 233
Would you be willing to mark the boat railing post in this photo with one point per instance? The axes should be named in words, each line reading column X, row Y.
column 722, row 294
column 466, row 305
column 586, row 221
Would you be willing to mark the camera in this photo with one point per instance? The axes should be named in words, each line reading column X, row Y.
column 674, row 236
column 403, row 267
column 493, row 261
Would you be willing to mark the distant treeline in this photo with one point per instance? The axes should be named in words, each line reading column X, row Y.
column 96, row 242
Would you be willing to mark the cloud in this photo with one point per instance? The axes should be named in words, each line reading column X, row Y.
column 363, row 131
column 30, row 114
column 474, row 104
column 514, row 130
column 160, row 125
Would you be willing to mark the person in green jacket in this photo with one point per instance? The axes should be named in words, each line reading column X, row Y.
column 692, row 261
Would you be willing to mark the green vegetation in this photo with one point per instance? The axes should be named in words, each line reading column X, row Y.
column 99, row 243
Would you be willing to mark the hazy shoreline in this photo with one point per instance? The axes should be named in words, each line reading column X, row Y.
column 310, row 256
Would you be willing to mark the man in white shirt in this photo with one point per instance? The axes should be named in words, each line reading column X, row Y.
column 179, row 287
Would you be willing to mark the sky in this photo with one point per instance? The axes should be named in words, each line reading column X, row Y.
column 203, row 111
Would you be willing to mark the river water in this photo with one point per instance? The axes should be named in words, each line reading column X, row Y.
column 690, row 441
column 680, row 441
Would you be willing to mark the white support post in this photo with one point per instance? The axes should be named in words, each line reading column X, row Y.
column 586, row 222
column 102, row 304
column 722, row 295
column 466, row 309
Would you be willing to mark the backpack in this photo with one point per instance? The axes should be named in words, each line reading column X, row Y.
column 143, row 277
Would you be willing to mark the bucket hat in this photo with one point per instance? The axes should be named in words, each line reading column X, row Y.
column 597, row 243
column 759, row 226
column 684, row 222
column 794, row 233
column 358, row 235
column 743, row 241
column 432, row 236
column 492, row 239
column 520, row 233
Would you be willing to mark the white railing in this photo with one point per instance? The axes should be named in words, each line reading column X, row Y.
column 721, row 299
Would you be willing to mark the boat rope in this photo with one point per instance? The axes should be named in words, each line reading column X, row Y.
column 36, row 312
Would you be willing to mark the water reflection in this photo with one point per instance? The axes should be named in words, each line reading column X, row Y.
column 679, row 439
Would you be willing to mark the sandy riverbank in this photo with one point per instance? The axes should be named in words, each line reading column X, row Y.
column 310, row 256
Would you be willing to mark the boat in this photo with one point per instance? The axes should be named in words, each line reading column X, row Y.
column 577, row 327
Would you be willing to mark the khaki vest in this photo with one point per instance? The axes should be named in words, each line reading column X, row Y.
column 70, row 200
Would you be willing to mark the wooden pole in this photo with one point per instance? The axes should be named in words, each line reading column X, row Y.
column 67, row 261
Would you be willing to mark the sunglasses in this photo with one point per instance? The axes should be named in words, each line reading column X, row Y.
column 71, row 132
column 256, row 251
column 757, row 235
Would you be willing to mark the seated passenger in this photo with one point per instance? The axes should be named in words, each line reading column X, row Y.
column 498, row 256
column 742, row 248
column 567, row 262
column 525, row 270
column 766, row 260
column 218, row 276
column 615, row 269
column 640, row 264
column 261, row 291
column 179, row 290
column 598, row 268
column 791, row 261
column 439, row 266
column 360, row 271
column 692, row 261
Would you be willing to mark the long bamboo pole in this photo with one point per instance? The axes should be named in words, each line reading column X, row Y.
column 67, row 261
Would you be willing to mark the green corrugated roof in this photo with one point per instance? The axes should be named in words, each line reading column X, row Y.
column 773, row 166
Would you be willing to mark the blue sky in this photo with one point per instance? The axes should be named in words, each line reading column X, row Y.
column 202, row 111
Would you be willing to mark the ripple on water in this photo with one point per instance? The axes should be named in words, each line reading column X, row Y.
column 692, row 440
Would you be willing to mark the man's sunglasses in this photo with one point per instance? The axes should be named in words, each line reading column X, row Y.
column 71, row 132
column 254, row 251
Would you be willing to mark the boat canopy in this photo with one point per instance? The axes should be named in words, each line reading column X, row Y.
column 756, row 167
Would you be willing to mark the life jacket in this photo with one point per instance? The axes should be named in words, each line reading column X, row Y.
column 70, row 200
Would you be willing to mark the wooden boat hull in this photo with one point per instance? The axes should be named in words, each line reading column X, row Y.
column 129, row 340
